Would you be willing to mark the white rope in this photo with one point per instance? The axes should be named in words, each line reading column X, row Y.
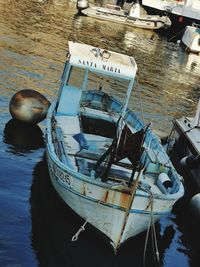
column 176, row 35
column 81, row 229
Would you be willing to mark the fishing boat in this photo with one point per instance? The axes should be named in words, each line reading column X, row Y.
column 191, row 39
column 185, row 142
column 132, row 18
column 104, row 162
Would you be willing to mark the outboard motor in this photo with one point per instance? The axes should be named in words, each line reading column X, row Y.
column 82, row 4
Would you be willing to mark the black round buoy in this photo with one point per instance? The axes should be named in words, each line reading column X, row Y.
column 28, row 106
column 195, row 206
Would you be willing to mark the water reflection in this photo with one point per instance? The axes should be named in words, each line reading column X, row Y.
column 190, row 62
column 23, row 137
column 140, row 39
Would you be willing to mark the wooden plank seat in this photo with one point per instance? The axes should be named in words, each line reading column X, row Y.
column 70, row 126
column 86, row 165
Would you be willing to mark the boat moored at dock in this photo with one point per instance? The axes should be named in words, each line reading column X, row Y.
column 104, row 162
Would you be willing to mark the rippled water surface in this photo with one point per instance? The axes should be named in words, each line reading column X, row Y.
column 35, row 227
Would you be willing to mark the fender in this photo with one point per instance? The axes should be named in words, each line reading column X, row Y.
column 191, row 162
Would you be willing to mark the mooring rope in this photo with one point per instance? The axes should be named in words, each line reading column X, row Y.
column 176, row 35
column 82, row 227
column 153, row 231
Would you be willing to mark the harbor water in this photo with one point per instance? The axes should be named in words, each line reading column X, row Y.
column 35, row 226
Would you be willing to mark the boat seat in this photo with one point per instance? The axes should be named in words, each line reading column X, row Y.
column 86, row 165
column 97, row 146
column 97, row 143
column 61, row 152
column 70, row 126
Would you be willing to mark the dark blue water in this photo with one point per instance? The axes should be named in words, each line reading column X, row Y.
column 35, row 226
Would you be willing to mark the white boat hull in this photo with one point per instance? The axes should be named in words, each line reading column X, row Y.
column 191, row 39
column 101, row 207
column 145, row 22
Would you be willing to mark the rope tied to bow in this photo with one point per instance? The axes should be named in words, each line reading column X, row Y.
column 81, row 229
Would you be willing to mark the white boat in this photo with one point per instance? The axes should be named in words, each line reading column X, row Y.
column 132, row 18
column 103, row 161
column 189, row 9
column 185, row 139
column 191, row 39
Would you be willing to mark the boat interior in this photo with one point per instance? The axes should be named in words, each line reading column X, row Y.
column 83, row 137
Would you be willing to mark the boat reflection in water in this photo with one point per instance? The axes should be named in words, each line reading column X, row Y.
column 141, row 39
column 54, row 224
column 22, row 136
column 136, row 38
column 190, row 62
